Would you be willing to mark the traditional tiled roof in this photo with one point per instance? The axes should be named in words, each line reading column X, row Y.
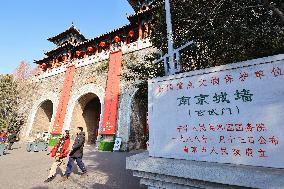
column 53, row 51
column 71, row 29
column 66, row 44
column 101, row 37
column 71, row 46
column 133, row 18
column 115, row 30
column 43, row 60
column 133, row 3
column 83, row 42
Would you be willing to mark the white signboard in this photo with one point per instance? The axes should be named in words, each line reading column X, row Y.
column 117, row 144
column 227, row 114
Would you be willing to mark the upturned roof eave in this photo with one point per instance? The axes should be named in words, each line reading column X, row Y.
column 58, row 48
column 61, row 35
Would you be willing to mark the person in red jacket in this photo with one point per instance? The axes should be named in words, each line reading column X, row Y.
column 59, row 152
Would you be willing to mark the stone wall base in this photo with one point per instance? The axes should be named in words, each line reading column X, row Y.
column 159, row 173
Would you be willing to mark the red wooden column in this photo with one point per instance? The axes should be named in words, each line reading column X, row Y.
column 63, row 101
column 112, row 94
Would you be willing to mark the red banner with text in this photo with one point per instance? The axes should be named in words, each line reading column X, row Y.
column 112, row 93
column 64, row 98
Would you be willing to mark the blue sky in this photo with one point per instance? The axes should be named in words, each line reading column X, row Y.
column 25, row 25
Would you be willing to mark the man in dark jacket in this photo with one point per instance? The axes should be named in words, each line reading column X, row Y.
column 76, row 154
column 11, row 139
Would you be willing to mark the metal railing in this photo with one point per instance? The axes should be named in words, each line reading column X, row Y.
column 176, row 59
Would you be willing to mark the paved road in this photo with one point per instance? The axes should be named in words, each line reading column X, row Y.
column 28, row 170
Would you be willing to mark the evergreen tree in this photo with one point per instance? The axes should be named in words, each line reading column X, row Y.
column 9, row 101
column 224, row 31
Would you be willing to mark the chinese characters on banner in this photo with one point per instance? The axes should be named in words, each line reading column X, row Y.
column 112, row 93
column 233, row 114
column 64, row 98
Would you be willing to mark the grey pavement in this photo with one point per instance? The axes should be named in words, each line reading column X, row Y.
column 28, row 170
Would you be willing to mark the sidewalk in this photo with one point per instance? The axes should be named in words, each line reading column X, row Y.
column 22, row 169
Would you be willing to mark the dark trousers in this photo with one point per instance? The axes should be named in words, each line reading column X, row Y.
column 10, row 145
column 70, row 164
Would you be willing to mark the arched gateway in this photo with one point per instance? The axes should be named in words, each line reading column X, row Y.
column 42, row 114
column 84, row 110
column 86, row 114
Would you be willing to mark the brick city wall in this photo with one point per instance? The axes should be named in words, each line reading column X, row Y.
column 90, row 77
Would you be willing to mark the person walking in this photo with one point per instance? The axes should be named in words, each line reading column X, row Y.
column 2, row 136
column 76, row 154
column 12, row 139
column 59, row 152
